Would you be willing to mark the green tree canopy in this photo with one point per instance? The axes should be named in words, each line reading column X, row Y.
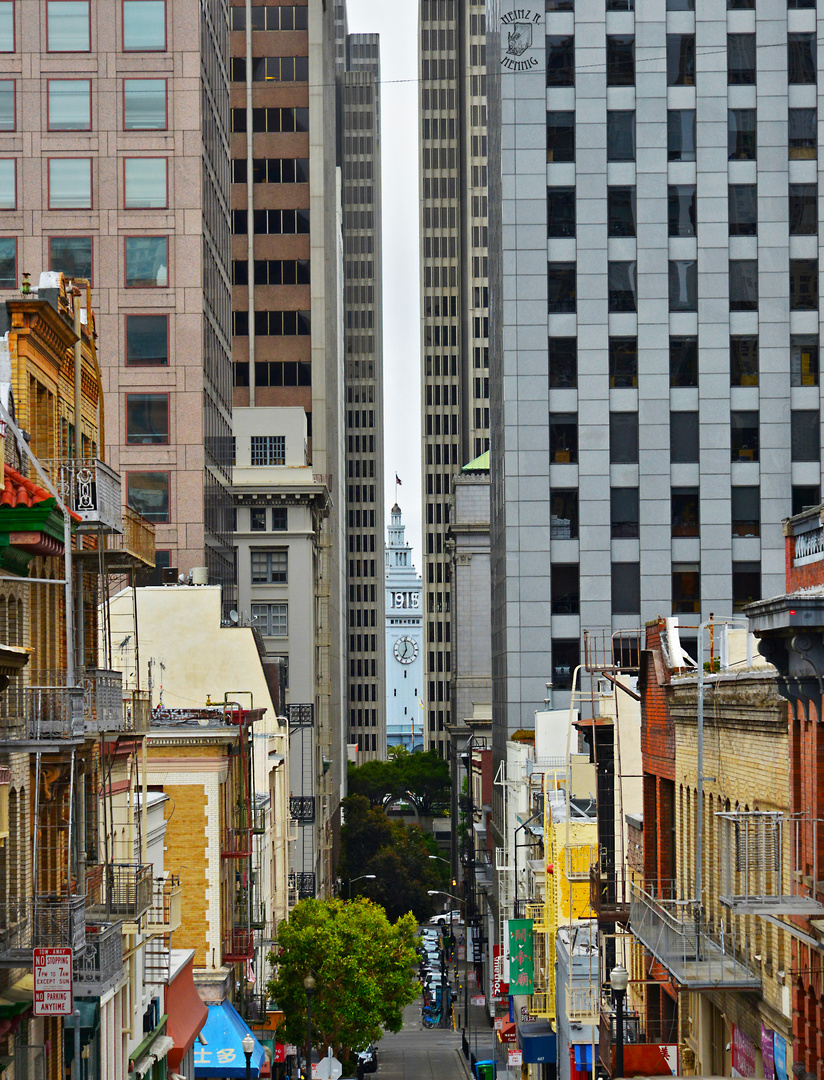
column 362, row 965
column 422, row 778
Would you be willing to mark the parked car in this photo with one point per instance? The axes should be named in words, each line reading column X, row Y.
column 444, row 918
column 368, row 1058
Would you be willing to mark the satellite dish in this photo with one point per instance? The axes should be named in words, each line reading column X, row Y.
column 233, row 615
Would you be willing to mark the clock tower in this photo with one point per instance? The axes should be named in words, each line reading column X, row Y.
column 404, row 642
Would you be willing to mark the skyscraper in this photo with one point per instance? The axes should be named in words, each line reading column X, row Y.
column 453, row 156
column 115, row 169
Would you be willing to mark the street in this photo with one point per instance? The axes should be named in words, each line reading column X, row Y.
column 416, row 1053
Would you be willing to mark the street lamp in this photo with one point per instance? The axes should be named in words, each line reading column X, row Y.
column 363, row 877
column 248, row 1045
column 309, row 985
column 619, row 980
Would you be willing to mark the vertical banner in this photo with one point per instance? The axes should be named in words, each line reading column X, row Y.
column 780, row 1057
column 743, row 1054
column 520, row 956
column 768, row 1052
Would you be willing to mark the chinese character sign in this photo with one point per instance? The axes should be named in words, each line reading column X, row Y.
column 520, row 956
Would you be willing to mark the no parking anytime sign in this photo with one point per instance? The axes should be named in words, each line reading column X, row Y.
column 53, row 982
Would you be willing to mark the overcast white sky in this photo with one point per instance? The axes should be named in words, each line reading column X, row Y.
column 396, row 22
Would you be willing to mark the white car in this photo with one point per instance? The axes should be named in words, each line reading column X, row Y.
column 444, row 918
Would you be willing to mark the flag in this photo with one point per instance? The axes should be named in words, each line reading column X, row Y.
column 398, row 480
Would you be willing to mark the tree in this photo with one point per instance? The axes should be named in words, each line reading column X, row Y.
column 362, row 966
column 422, row 778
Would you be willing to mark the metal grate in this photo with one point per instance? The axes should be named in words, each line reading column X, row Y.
column 302, row 808
column 301, row 715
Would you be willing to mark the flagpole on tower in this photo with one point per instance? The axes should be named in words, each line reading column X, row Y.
column 397, row 485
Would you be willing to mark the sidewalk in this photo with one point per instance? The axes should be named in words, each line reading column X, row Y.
column 479, row 1040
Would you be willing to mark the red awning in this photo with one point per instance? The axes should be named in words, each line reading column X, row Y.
column 187, row 1014
column 507, row 1033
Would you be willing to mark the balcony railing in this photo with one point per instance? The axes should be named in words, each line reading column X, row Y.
column 303, row 883
column 138, row 711
column 41, row 921
column 302, row 808
column 90, row 488
column 103, row 700
column 126, row 891
column 583, row 1003
column 609, row 896
column 580, row 858
column 99, row 963
column 53, row 712
column 538, row 914
column 675, row 932
column 165, row 912
column 239, row 944
column 137, row 541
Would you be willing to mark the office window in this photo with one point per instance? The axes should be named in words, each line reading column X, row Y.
column 746, row 511
column 147, row 261
column 684, row 439
column 7, row 26
column 626, row 588
column 69, row 105
column 280, row 519
column 623, row 513
column 270, row 567
column 680, row 5
column 72, row 255
column 683, row 356
column 803, row 209
column 741, row 137
column 681, row 207
column 268, row 450
column 565, row 588
column 803, row 359
column 560, row 136
column 683, row 285
column 741, row 5
column 560, row 211
column 68, row 26
column 685, row 511
column 8, row 184
column 741, row 59
column 805, row 497
column 563, row 515
column 144, row 104
column 803, row 135
column 623, row 362
column 620, row 135
column 566, row 657
column 681, row 135
column 623, row 438
column 148, row 493
column 563, row 438
column 804, row 284
column 560, row 60
column 621, row 286
column 746, row 584
column 8, row 262
column 563, row 362
column 743, row 209
column 680, row 59
column 686, row 588
column 70, row 183
column 801, row 65
column 618, row 5
column 744, row 436
column 147, row 340
column 257, row 519
column 620, row 60
column 561, row 288
column 805, row 435
column 271, row 619
column 8, row 119
column 743, row 360
column 145, row 183
column 743, row 284
column 147, row 419
column 621, row 211
column 144, row 25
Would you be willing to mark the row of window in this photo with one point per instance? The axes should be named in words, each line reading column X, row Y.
column 802, row 138
column 680, row 59
column 271, row 170
column 270, row 69
column 683, row 285
column 684, row 432
column 271, row 119
column 273, row 272
column 682, row 215
column 675, row 5
column 286, row 17
column 145, row 183
column 683, row 361
column 260, row 516
column 69, row 26
column 146, row 265
column 271, row 222
column 273, row 323
column 274, row 373
column 69, row 105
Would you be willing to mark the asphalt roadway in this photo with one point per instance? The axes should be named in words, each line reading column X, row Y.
column 418, row 1053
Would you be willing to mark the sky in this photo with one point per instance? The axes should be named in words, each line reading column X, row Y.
column 396, row 22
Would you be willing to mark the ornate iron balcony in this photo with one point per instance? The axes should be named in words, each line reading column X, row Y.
column 91, row 489
column 99, row 963
column 302, row 808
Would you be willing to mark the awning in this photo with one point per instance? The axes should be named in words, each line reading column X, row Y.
column 507, row 1032
column 187, row 1014
column 583, row 1056
column 158, row 1049
column 538, row 1043
column 17, row 998
column 222, row 1056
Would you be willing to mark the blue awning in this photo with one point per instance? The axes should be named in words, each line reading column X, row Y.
column 222, row 1057
column 583, row 1056
column 537, row 1043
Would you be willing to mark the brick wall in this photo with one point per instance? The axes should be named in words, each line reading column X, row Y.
column 186, row 853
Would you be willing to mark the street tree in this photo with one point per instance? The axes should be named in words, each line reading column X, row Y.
column 362, row 966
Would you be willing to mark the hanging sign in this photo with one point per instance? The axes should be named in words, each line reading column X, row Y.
column 520, row 957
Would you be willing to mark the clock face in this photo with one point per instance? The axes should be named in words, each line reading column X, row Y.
column 406, row 649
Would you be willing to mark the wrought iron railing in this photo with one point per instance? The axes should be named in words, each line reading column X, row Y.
column 301, row 715
column 302, row 808
column 609, row 895
column 126, row 891
column 165, row 913
column 239, row 944
column 103, row 700
column 236, row 843
column 53, row 712
column 41, row 921
column 99, row 963
column 303, row 883
column 90, row 488
column 137, row 539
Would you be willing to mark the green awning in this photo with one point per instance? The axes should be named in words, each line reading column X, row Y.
column 17, row 998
